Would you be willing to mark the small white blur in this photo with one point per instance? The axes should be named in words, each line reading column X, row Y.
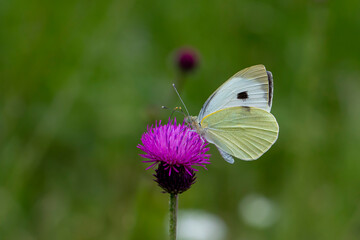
column 258, row 211
column 200, row 225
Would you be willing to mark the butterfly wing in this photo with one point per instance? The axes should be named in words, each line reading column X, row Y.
column 252, row 86
column 226, row 156
column 243, row 132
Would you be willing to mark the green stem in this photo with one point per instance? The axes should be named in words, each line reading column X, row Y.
column 173, row 215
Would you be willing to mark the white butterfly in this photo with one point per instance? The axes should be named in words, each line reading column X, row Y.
column 236, row 118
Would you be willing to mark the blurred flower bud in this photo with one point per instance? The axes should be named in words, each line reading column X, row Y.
column 186, row 59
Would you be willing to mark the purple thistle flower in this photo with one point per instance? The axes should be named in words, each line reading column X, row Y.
column 176, row 149
column 175, row 146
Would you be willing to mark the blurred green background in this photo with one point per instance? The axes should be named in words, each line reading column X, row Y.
column 80, row 80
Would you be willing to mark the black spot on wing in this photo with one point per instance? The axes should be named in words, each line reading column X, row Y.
column 243, row 95
column 270, row 81
column 247, row 108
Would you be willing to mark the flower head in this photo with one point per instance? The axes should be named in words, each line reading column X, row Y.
column 174, row 146
column 176, row 150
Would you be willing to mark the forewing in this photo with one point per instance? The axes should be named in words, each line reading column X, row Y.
column 243, row 132
column 252, row 87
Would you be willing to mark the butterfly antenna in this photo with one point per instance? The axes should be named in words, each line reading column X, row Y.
column 181, row 100
column 176, row 109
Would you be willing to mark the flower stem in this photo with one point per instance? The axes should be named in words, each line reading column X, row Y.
column 173, row 215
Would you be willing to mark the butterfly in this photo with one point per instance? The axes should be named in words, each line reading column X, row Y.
column 236, row 118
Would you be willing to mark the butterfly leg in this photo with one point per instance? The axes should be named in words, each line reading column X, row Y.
column 201, row 137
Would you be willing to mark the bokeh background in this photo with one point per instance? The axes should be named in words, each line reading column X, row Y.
column 81, row 80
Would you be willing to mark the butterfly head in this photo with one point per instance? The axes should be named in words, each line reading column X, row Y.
column 193, row 122
column 190, row 120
